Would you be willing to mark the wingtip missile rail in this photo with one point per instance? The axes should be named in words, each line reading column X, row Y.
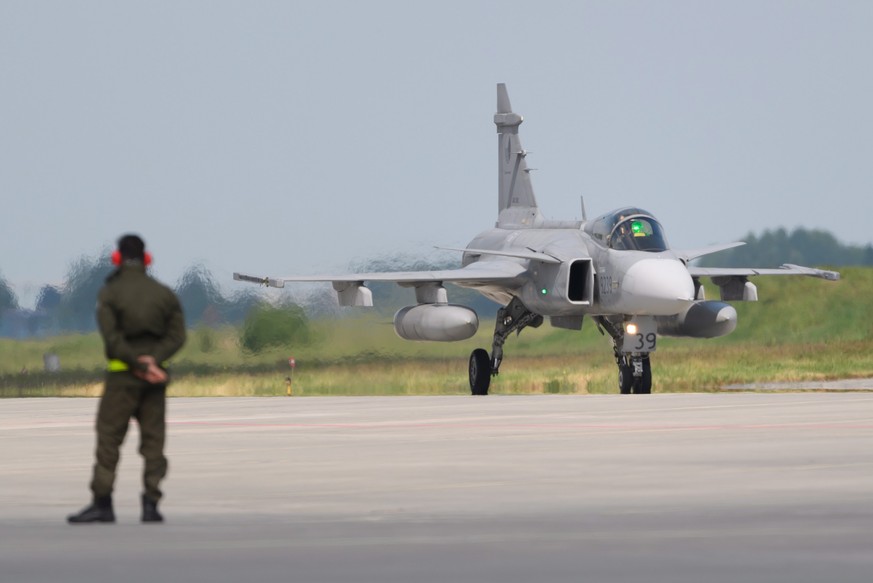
column 265, row 281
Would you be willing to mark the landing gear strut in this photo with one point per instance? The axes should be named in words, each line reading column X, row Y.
column 512, row 318
column 634, row 368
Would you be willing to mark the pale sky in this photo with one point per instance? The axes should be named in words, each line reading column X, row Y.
column 283, row 138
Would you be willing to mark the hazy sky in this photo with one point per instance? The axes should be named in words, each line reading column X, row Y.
column 290, row 137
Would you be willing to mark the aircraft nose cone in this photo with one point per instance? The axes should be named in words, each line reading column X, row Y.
column 657, row 287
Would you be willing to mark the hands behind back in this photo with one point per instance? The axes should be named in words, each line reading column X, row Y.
column 153, row 374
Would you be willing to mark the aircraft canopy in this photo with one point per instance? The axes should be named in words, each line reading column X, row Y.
column 629, row 229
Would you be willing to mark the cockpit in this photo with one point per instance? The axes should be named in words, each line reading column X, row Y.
column 628, row 229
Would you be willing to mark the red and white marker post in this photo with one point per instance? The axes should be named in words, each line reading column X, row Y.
column 288, row 380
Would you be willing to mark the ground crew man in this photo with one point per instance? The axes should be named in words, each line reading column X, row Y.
column 142, row 326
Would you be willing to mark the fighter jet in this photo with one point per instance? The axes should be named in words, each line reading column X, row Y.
column 616, row 269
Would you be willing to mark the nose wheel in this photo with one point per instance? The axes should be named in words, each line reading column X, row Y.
column 634, row 368
column 634, row 375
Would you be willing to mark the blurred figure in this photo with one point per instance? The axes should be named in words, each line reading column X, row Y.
column 142, row 326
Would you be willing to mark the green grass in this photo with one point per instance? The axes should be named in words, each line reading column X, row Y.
column 794, row 310
column 801, row 329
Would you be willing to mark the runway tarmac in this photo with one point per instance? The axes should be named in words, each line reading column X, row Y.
column 835, row 385
column 656, row 488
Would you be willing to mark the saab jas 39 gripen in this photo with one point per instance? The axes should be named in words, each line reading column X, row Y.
column 616, row 269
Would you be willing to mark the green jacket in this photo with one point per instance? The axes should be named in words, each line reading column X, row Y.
column 139, row 316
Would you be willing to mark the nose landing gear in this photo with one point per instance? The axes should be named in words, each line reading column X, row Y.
column 634, row 374
column 634, row 368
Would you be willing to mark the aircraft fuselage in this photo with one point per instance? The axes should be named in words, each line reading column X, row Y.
column 586, row 278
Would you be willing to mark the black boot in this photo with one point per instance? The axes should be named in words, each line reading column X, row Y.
column 99, row 511
column 150, row 510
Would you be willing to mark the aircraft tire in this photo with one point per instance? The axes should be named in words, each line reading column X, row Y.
column 480, row 372
column 625, row 379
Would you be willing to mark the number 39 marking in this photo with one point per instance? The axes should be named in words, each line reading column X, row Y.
column 646, row 343
column 642, row 336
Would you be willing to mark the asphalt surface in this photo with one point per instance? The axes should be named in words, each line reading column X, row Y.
column 837, row 385
column 659, row 488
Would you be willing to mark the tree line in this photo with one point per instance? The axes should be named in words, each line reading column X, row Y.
column 810, row 247
column 70, row 307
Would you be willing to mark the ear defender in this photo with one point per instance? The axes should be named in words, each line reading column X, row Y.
column 116, row 258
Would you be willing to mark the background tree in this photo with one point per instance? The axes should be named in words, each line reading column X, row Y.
column 79, row 295
column 199, row 296
column 268, row 326
column 321, row 302
column 802, row 246
column 204, row 303
column 8, row 300
column 236, row 308
column 49, row 299
column 45, row 318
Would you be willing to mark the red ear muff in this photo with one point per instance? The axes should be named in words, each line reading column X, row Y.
column 116, row 258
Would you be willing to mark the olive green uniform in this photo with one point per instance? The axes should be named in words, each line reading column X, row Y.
column 136, row 316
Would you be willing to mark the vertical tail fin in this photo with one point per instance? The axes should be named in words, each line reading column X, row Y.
column 516, row 203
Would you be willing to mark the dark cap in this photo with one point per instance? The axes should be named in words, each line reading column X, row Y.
column 131, row 247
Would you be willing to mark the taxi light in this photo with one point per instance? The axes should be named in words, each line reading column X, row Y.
column 631, row 328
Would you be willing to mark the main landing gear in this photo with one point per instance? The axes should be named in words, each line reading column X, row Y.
column 512, row 318
column 634, row 368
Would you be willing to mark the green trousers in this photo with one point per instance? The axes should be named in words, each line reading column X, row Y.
column 126, row 397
